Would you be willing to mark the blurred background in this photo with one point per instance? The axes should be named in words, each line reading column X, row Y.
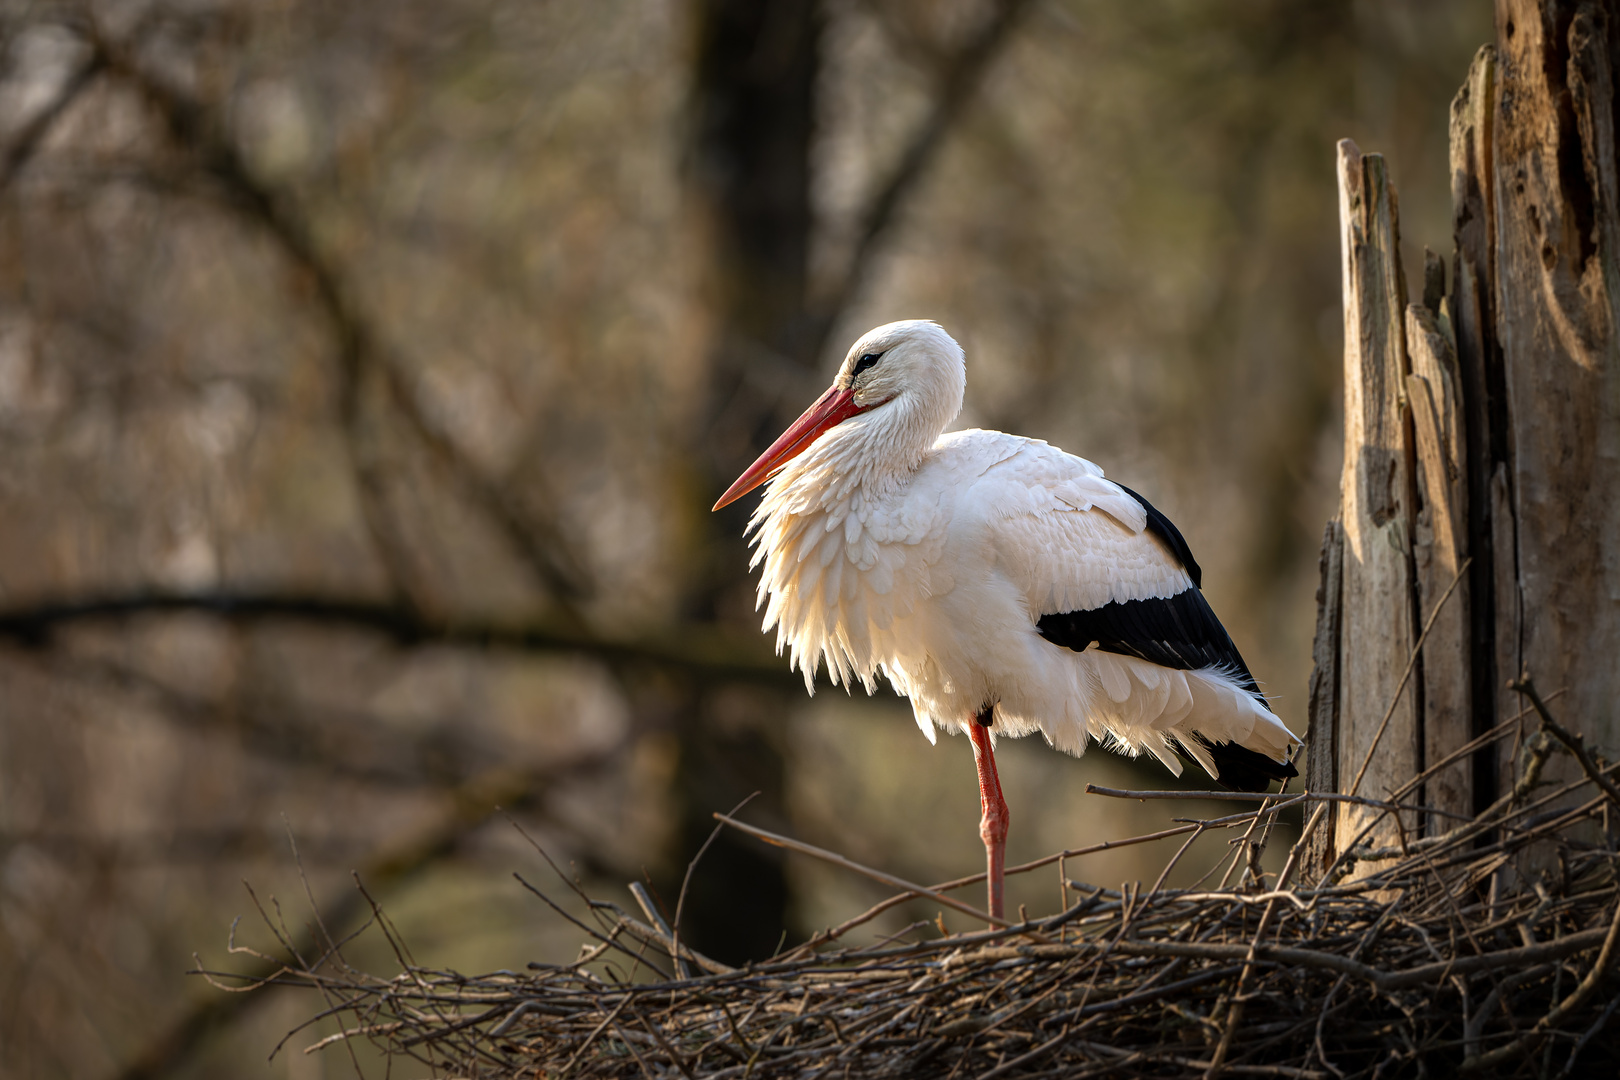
column 367, row 371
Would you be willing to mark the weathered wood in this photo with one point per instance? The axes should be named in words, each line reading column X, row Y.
column 1506, row 588
column 1482, row 429
column 1472, row 312
column 1439, row 550
column 1376, row 629
column 1558, row 305
column 1321, row 738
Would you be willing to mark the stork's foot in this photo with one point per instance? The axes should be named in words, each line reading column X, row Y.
column 995, row 818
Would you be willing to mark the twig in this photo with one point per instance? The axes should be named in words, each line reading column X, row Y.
column 28, row 140
column 1573, row 740
column 956, row 883
column 1506, row 727
column 1110, row 845
column 607, row 1021
column 1015, row 1005
column 659, row 935
column 1030, row 1008
column 1588, row 985
column 605, row 939
column 1475, row 1026
column 705, row 652
column 348, row 1033
column 1504, row 959
column 663, row 1044
column 1588, row 1035
column 1529, row 776
column 1290, row 799
column 876, row 875
column 639, row 891
column 1411, row 662
column 1241, row 845
column 1234, row 1015
column 691, row 868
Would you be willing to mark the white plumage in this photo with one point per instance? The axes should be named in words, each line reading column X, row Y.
column 889, row 547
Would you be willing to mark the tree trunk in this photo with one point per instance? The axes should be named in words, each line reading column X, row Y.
column 752, row 106
column 1378, row 740
column 1557, row 281
column 1479, row 528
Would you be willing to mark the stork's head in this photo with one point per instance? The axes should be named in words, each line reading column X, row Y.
column 900, row 384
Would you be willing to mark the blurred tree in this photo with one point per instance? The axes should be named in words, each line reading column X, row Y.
column 755, row 74
column 752, row 123
column 367, row 370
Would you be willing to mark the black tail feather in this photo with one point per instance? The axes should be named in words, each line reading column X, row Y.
column 1243, row 769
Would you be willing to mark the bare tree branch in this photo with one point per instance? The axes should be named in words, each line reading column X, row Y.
column 705, row 653
column 352, row 745
column 473, row 804
column 28, row 140
column 537, row 541
column 961, row 79
column 1573, row 741
column 143, row 850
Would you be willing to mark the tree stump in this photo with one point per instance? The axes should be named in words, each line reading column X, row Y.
column 1478, row 536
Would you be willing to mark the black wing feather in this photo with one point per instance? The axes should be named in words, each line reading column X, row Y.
column 1179, row 632
column 1243, row 769
column 1166, row 530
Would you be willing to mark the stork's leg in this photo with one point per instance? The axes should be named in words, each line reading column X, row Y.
column 993, row 823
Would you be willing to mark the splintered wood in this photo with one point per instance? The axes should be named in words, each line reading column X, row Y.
column 1480, row 498
column 1377, row 702
column 1440, row 550
column 1555, row 183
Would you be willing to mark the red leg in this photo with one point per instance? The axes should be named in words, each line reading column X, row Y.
column 993, row 825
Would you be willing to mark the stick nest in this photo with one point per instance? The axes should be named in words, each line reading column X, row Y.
column 1486, row 950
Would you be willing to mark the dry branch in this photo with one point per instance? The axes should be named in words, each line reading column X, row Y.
column 702, row 652
column 1166, row 982
column 472, row 803
column 198, row 126
column 960, row 80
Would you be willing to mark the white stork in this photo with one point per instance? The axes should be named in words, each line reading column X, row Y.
column 1002, row 585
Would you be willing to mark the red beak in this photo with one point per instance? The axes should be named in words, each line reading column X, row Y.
column 830, row 410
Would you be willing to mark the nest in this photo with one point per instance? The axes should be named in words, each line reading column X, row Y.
column 1486, row 949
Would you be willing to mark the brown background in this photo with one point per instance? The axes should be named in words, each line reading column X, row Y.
column 434, row 328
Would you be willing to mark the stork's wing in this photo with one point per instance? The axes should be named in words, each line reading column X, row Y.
column 1071, row 539
column 1101, row 566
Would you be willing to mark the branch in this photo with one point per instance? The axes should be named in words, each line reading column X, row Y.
column 194, row 126
column 1404, row 979
column 961, row 79
column 1584, row 990
column 33, row 133
column 876, row 875
column 1575, row 742
column 158, row 847
column 703, row 652
column 473, row 804
column 342, row 743
column 1259, row 796
column 1411, row 662
column 1240, row 996
column 659, row 933
column 873, row 912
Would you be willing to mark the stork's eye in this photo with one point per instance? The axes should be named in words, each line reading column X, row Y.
column 866, row 361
